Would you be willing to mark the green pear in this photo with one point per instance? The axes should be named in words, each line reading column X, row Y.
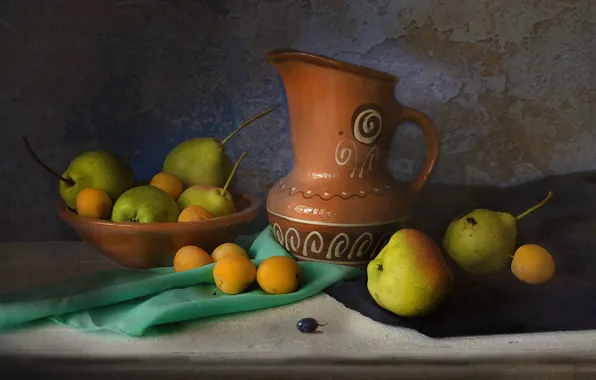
column 409, row 277
column 99, row 169
column 145, row 204
column 483, row 241
column 218, row 201
column 202, row 160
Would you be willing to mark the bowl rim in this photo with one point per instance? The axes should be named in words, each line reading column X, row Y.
column 164, row 227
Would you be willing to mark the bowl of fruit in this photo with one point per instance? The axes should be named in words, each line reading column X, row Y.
column 143, row 225
column 144, row 244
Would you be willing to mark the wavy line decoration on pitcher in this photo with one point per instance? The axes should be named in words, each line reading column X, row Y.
column 367, row 123
column 281, row 187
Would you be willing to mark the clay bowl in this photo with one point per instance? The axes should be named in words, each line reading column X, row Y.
column 150, row 245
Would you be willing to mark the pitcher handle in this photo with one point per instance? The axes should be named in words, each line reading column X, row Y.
column 432, row 145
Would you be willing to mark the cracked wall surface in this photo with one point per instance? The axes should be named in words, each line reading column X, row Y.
column 510, row 85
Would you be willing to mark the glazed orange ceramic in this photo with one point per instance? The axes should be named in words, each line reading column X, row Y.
column 340, row 203
column 149, row 245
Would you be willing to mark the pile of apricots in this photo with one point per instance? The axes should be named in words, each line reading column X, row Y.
column 234, row 272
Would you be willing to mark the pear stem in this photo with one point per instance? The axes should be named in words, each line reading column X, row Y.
column 550, row 194
column 224, row 141
column 68, row 181
column 223, row 191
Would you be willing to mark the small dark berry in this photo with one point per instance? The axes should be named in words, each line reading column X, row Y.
column 308, row 325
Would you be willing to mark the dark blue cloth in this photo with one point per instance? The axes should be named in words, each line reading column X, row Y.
column 499, row 303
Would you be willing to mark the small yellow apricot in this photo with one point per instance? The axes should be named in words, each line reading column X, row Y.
column 278, row 275
column 190, row 257
column 227, row 249
column 234, row 274
column 193, row 213
column 168, row 183
column 532, row 264
column 93, row 203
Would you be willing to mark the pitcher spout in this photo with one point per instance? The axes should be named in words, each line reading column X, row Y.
column 325, row 98
column 281, row 55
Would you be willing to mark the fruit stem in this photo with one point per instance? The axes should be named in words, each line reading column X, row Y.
column 224, row 141
column 217, row 288
column 223, row 191
column 550, row 194
column 68, row 181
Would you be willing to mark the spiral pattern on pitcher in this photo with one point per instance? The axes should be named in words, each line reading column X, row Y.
column 368, row 125
column 324, row 245
column 292, row 239
column 316, row 244
column 278, row 233
column 361, row 245
column 339, row 245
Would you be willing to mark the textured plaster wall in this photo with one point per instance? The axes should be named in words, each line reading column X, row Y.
column 510, row 85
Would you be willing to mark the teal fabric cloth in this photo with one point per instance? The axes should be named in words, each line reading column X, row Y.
column 131, row 301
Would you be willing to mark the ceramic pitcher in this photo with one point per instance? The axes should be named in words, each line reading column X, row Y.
column 340, row 203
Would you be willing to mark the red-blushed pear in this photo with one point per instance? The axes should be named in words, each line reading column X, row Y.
column 409, row 277
column 218, row 201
